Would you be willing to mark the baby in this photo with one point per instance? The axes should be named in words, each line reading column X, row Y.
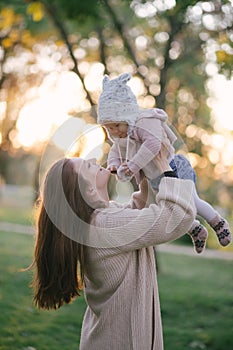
column 137, row 138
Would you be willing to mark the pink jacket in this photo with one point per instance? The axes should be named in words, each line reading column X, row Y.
column 143, row 144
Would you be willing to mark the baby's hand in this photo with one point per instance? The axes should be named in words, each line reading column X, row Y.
column 112, row 169
column 124, row 173
column 125, row 169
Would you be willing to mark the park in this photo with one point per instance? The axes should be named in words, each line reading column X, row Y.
column 53, row 57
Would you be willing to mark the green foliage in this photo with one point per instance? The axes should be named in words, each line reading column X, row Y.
column 225, row 61
column 21, row 8
column 78, row 9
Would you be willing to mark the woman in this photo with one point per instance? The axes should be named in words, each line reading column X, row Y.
column 112, row 247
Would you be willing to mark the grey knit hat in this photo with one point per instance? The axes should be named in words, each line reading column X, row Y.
column 117, row 103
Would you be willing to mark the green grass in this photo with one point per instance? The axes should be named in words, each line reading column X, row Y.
column 22, row 325
column 196, row 303
column 15, row 214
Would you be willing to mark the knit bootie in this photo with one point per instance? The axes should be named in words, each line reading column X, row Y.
column 222, row 230
column 199, row 236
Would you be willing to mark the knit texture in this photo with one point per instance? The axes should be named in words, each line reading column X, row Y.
column 121, row 289
column 117, row 103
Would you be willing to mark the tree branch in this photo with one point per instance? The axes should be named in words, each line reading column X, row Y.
column 120, row 28
column 175, row 28
column 51, row 10
column 102, row 49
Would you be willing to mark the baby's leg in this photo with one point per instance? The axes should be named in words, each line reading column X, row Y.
column 204, row 209
column 184, row 170
column 219, row 224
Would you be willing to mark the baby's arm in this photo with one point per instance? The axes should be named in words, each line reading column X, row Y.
column 114, row 160
column 150, row 137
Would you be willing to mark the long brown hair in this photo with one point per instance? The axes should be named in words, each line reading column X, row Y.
column 58, row 259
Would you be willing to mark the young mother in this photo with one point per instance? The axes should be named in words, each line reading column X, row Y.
column 110, row 246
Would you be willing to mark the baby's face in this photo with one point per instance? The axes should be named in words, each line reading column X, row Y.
column 117, row 129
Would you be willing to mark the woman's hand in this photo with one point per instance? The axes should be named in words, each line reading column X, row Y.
column 144, row 187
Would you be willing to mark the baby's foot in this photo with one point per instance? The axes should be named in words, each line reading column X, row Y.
column 222, row 230
column 199, row 236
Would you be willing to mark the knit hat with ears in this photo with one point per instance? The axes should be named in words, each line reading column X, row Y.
column 117, row 103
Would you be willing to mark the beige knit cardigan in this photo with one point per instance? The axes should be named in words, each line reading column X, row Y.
column 121, row 291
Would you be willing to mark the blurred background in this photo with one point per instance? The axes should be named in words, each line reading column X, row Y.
column 53, row 56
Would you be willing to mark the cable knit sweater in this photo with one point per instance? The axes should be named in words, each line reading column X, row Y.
column 121, row 291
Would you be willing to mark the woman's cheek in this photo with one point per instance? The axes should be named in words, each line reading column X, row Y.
column 102, row 178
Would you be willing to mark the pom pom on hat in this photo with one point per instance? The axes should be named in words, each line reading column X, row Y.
column 117, row 103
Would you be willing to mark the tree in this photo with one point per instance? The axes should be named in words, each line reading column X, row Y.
column 169, row 45
column 14, row 40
